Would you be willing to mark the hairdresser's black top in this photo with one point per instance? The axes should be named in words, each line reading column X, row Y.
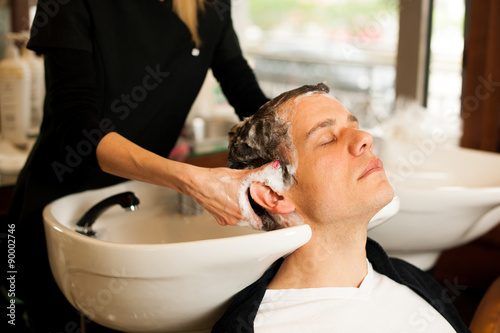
column 242, row 311
column 118, row 65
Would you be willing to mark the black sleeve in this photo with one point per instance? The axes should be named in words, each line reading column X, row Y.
column 73, row 101
column 62, row 32
column 64, row 24
column 236, row 78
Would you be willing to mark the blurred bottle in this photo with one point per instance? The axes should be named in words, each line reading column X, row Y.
column 37, row 88
column 15, row 95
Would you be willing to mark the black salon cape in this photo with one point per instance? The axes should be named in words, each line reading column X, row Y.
column 242, row 311
column 127, row 66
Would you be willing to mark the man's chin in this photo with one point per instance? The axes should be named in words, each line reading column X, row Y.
column 384, row 197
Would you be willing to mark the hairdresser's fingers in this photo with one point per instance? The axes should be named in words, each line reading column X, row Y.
column 265, row 174
column 219, row 191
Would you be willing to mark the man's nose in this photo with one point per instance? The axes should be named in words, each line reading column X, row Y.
column 361, row 141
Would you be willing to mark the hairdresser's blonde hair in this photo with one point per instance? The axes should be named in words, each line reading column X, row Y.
column 187, row 10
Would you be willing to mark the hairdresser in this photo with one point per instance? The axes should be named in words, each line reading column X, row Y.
column 121, row 76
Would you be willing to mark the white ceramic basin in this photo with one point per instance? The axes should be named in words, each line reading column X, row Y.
column 154, row 270
column 448, row 197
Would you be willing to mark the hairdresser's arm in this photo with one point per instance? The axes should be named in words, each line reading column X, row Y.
column 72, row 96
column 214, row 189
column 236, row 78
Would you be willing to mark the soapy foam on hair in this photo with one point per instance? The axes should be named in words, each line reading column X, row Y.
column 272, row 177
column 307, row 94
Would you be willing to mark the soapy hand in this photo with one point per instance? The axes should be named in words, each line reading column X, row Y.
column 223, row 193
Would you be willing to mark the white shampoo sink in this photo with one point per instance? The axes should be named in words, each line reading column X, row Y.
column 154, row 270
column 448, row 197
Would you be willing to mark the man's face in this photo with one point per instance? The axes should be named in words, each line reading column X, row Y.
column 338, row 176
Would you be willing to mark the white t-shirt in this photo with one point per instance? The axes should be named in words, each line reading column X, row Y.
column 378, row 305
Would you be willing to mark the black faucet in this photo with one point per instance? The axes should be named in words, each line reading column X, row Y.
column 127, row 200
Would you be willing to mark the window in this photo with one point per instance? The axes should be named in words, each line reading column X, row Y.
column 352, row 45
column 446, row 55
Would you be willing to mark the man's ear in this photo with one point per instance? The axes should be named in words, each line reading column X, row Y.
column 265, row 197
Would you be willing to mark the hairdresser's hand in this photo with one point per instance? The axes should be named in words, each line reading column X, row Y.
column 223, row 193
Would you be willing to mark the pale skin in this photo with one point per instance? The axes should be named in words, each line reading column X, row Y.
column 345, row 186
column 216, row 189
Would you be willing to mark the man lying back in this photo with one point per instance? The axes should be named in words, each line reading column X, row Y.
column 340, row 281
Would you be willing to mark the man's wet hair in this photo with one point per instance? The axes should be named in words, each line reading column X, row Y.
column 264, row 137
